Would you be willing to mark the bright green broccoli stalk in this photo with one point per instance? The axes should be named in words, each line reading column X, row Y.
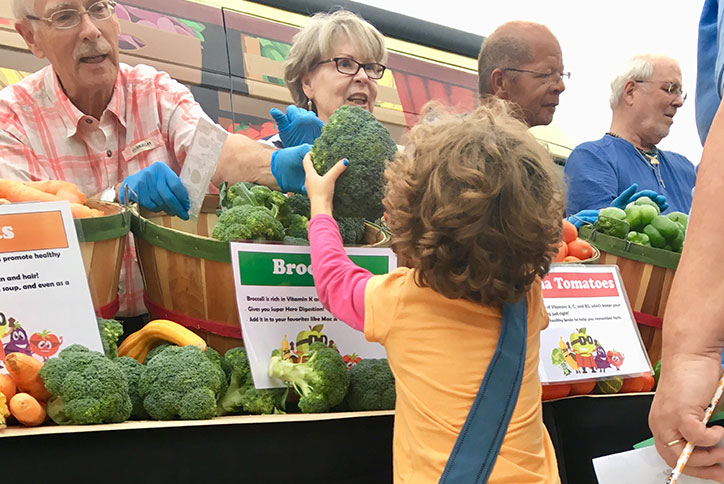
column 133, row 370
column 86, row 388
column 248, row 222
column 321, row 381
column 371, row 386
column 242, row 396
column 355, row 134
column 110, row 330
column 351, row 229
column 181, row 382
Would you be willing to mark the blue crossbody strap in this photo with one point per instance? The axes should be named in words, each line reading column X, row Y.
column 478, row 444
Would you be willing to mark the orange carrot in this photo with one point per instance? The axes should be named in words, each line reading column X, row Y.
column 25, row 372
column 16, row 191
column 27, row 410
column 7, row 386
column 82, row 211
column 62, row 189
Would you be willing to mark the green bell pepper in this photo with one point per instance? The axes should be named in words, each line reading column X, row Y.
column 612, row 212
column 611, row 221
column 666, row 227
column 682, row 218
column 678, row 243
column 647, row 201
column 639, row 238
column 639, row 216
column 655, row 237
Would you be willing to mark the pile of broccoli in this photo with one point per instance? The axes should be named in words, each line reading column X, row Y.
column 321, row 381
column 371, row 386
column 242, row 397
column 354, row 133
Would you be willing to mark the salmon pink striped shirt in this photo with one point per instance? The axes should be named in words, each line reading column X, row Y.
column 44, row 136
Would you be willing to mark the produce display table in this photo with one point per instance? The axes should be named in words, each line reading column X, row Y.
column 347, row 448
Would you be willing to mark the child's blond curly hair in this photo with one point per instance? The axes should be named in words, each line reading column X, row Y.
column 475, row 204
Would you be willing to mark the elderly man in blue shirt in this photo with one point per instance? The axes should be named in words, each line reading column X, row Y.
column 645, row 96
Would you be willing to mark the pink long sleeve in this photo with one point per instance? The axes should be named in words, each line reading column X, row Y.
column 340, row 283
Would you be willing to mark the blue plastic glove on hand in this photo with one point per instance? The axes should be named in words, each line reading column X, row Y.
column 631, row 195
column 583, row 216
column 297, row 126
column 287, row 168
column 157, row 188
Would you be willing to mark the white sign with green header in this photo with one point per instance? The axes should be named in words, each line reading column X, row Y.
column 279, row 308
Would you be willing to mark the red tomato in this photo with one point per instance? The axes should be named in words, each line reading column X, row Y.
column 559, row 390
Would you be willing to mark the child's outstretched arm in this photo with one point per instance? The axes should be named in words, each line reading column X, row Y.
column 340, row 283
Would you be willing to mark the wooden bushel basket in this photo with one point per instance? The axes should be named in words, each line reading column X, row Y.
column 188, row 277
column 647, row 274
column 102, row 241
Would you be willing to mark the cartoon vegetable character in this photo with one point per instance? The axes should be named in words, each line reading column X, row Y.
column 567, row 356
column 3, row 328
column 615, row 358
column 583, row 347
column 558, row 359
column 18, row 339
column 351, row 360
column 45, row 344
column 306, row 338
column 600, row 358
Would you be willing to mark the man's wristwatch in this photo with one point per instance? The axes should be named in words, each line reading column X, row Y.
column 109, row 194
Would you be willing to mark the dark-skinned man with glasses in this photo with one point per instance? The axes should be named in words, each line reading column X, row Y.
column 92, row 121
column 645, row 97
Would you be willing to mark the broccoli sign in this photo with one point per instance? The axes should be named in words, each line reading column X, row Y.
column 280, row 311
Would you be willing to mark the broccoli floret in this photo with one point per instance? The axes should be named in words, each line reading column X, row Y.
column 110, row 330
column 371, row 386
column 297, row 227
column 321, row 381
column 355, row 134
column 299, row 203
column 295, row 241
column 248, row 222
column 242, row 396
column 181, row 382
column 86, row 388
column 133, row 370
column 351, row 229
column 156, row 350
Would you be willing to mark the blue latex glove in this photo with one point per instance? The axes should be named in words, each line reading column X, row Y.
column 297, row 126
column 583, row 216
column 631, row 195
column 157, row 188
column 286, row 166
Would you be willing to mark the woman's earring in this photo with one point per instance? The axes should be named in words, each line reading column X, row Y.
column 309, row 105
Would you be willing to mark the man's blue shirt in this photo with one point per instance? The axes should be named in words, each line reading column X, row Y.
column 598, row 171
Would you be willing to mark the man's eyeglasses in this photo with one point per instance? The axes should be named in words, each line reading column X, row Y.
column 70, row 17
column 670, row 87
column 547, row 77
column 351, row 67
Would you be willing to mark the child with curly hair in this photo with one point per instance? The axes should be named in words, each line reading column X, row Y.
column 474, row 204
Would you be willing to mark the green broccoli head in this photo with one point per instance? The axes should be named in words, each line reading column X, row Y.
column 355, row 134
column 371, row 386
column 241, row 395
column 295, row 241
column 132, row 369
column 86, row 388
column 156, row 350
column 247, row 222
column 181, row 382
column 321, row 381
column 351, row 229
column 110, row 330
column 299, row 203
column 297, row 227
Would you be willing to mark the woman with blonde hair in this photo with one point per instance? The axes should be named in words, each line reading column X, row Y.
column 335, row 60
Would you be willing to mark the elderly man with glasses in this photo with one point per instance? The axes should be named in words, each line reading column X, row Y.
column 522, row 62
column 100, row 124
column 644, row 98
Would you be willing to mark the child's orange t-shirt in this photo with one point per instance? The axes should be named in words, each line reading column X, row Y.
column 439, row 350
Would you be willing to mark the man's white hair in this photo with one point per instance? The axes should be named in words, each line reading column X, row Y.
column 637, row 68
column 22, row 8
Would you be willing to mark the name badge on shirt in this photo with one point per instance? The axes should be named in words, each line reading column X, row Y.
column 142, row 146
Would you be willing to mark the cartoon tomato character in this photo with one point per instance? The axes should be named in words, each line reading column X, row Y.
column 45, row 344
column 615, row 358
column 583, row 347
column 351, row 360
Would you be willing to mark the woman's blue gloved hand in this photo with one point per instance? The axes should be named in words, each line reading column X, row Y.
column 583, row 216
column 157, row 188
column 631, row 195
column 297, row 126
column 287, row 168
